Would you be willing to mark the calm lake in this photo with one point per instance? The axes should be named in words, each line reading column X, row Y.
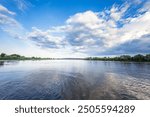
column 74, row 79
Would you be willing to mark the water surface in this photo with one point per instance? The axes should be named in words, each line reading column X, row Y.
column 74, row 79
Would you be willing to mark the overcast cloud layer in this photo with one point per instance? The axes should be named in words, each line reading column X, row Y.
column 108, row 32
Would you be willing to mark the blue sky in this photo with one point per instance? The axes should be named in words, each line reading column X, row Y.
column 74, row 28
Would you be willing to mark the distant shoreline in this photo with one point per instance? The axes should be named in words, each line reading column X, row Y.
column 75, row 59
column 124, row 58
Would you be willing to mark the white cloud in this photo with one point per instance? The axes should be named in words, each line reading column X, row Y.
column 146, row 7
column 89, row 19
column 8, row 21
column 116, row 13
column 87, row 32
column 137, row 1
column 96, row 32
column 22, row 4
column 45, row 39
column 9, row 24
column 5, row 10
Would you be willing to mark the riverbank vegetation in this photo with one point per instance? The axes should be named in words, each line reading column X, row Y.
column 136, row 58
column 4, row 56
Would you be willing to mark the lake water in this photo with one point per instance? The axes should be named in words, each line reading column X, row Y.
column 74, row 79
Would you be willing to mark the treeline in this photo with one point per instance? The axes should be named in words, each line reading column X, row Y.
column 4, row 56
column 137, row 58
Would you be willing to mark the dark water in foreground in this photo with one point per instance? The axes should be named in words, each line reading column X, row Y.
column 74, row 79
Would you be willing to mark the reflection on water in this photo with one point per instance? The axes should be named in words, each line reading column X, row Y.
column 13, row 62
column 74, row 79
column 1, row 63
column 119, row 86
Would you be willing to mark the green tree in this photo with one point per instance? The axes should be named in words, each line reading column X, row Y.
column 138, row 57
column 15, row 56
column 125, row 57
column 147, row 57
column 3, row 55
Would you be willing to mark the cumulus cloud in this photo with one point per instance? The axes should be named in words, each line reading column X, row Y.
column 130, row 47
column 93, row 33
column 45, row 39
column 98, row 32
column 82, row 30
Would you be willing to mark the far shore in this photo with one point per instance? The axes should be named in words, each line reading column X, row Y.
column 124, row 58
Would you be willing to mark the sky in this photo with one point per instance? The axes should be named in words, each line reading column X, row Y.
column 74, row 28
